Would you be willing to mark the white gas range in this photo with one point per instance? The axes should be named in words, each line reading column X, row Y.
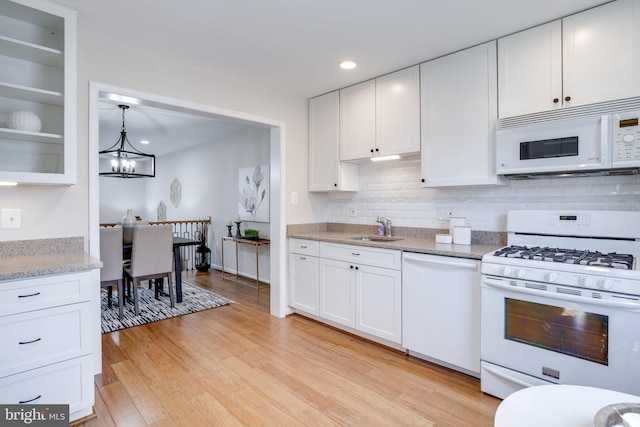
column 561, row 302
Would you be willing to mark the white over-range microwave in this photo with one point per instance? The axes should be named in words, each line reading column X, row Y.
column 583, row 145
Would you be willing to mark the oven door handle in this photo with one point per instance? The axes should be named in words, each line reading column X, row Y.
column 565, row 297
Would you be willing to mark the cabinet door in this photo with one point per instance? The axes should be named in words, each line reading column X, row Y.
column 326, row 172
column 337, row 292
column 398, row 112
column 458, row 115
column 378, row 302
column 601, row 53
column 304, row 291
column 530, row 70
column 358, row 121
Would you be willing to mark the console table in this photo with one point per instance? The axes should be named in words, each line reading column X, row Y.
column 238, row 241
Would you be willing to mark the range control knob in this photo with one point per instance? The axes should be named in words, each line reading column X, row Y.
column 552, row 277
column 605, row 283
column 521, row 273
column 587, row 282
column 506, row 271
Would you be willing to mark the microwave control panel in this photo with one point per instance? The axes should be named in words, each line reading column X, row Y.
column 626, row 139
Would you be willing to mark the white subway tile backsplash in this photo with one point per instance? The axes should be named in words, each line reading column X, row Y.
column 393, row 190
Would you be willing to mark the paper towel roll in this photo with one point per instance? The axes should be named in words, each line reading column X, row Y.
column 456, row 221
column 462, row 235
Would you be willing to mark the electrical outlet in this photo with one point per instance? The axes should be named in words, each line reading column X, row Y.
column 443, row 214
column 10, row 218
column 294, row 197
column 353, row 211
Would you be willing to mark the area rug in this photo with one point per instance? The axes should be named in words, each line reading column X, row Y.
column 194, row 299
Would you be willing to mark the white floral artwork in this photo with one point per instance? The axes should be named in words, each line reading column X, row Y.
column 253, row 198
column 175, row 192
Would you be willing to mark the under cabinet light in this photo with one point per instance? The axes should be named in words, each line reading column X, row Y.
column 8, row 183
column 383, row 158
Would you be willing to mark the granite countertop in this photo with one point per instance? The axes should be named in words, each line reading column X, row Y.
column 32, row 258
column 411, row 240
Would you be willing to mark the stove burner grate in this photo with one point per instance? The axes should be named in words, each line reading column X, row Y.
column 568, row 256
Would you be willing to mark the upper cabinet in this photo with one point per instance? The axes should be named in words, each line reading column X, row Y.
column 326, row 172
column 37, row 92
column 589, row 57
column 459, row 115
column 381, row 117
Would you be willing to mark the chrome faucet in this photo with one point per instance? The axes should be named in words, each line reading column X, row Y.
column 386, row 223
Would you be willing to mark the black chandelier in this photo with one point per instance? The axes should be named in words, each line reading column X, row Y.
column 124, row 161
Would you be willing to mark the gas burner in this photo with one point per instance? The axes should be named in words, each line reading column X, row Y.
column 568, row 256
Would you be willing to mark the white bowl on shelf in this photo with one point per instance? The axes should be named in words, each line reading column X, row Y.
column 24, row 120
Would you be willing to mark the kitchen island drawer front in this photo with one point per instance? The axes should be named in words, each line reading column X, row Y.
column 48, row 291
column 43, row 337
column 385, row 258
column 69, row 382
column 304, row 247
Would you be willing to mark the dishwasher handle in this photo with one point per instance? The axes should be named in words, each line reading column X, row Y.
column 439, row 262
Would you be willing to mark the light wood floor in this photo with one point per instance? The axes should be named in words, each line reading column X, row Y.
column 237, row 365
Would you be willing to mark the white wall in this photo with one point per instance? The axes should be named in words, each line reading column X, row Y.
column 393, row 189
column 117, row 195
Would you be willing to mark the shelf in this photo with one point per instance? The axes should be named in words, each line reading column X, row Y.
column 26, row 93
column 31, row 52
column 20, row 135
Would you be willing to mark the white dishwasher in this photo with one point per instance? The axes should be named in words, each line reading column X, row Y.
column 441, row 310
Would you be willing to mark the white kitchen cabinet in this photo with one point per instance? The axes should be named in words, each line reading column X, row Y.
column 530, row 70
column 337, row 292
column 358, row 121
column 326, row 172
column 398, row 112
column 441, row 310
column 589, row 57
column 355, row 291
column 381, row 117
column 304, row 275
column 458, row 116
column 379, row 302
column 38, row 75
column 47, row 329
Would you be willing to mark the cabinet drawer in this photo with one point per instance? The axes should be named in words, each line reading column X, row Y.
column 33, row 294
column 43, row 337
column 385, row 258
column 69, row 382
column 304, row 247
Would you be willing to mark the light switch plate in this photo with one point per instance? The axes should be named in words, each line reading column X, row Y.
column 10, row 218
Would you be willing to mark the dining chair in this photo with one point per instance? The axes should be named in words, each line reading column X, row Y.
column 151, row 259
column 111, row 272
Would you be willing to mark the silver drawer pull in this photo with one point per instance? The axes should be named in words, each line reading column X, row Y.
column 303, row 257
column 29, row 342
column 30, row 295
column 31, row 400
column 355, row 254
column 303, row 246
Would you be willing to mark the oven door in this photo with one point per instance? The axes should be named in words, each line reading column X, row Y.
column 560, row 337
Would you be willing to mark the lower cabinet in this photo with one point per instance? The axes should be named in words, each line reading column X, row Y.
column 354, row 291
column 46, row 326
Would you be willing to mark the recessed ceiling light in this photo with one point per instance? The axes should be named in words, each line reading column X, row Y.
column 144, row 141
column 348, row 65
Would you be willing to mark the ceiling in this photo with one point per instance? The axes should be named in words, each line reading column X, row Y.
column 293, row 46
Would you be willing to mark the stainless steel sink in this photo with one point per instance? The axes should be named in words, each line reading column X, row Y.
column 376, row 238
